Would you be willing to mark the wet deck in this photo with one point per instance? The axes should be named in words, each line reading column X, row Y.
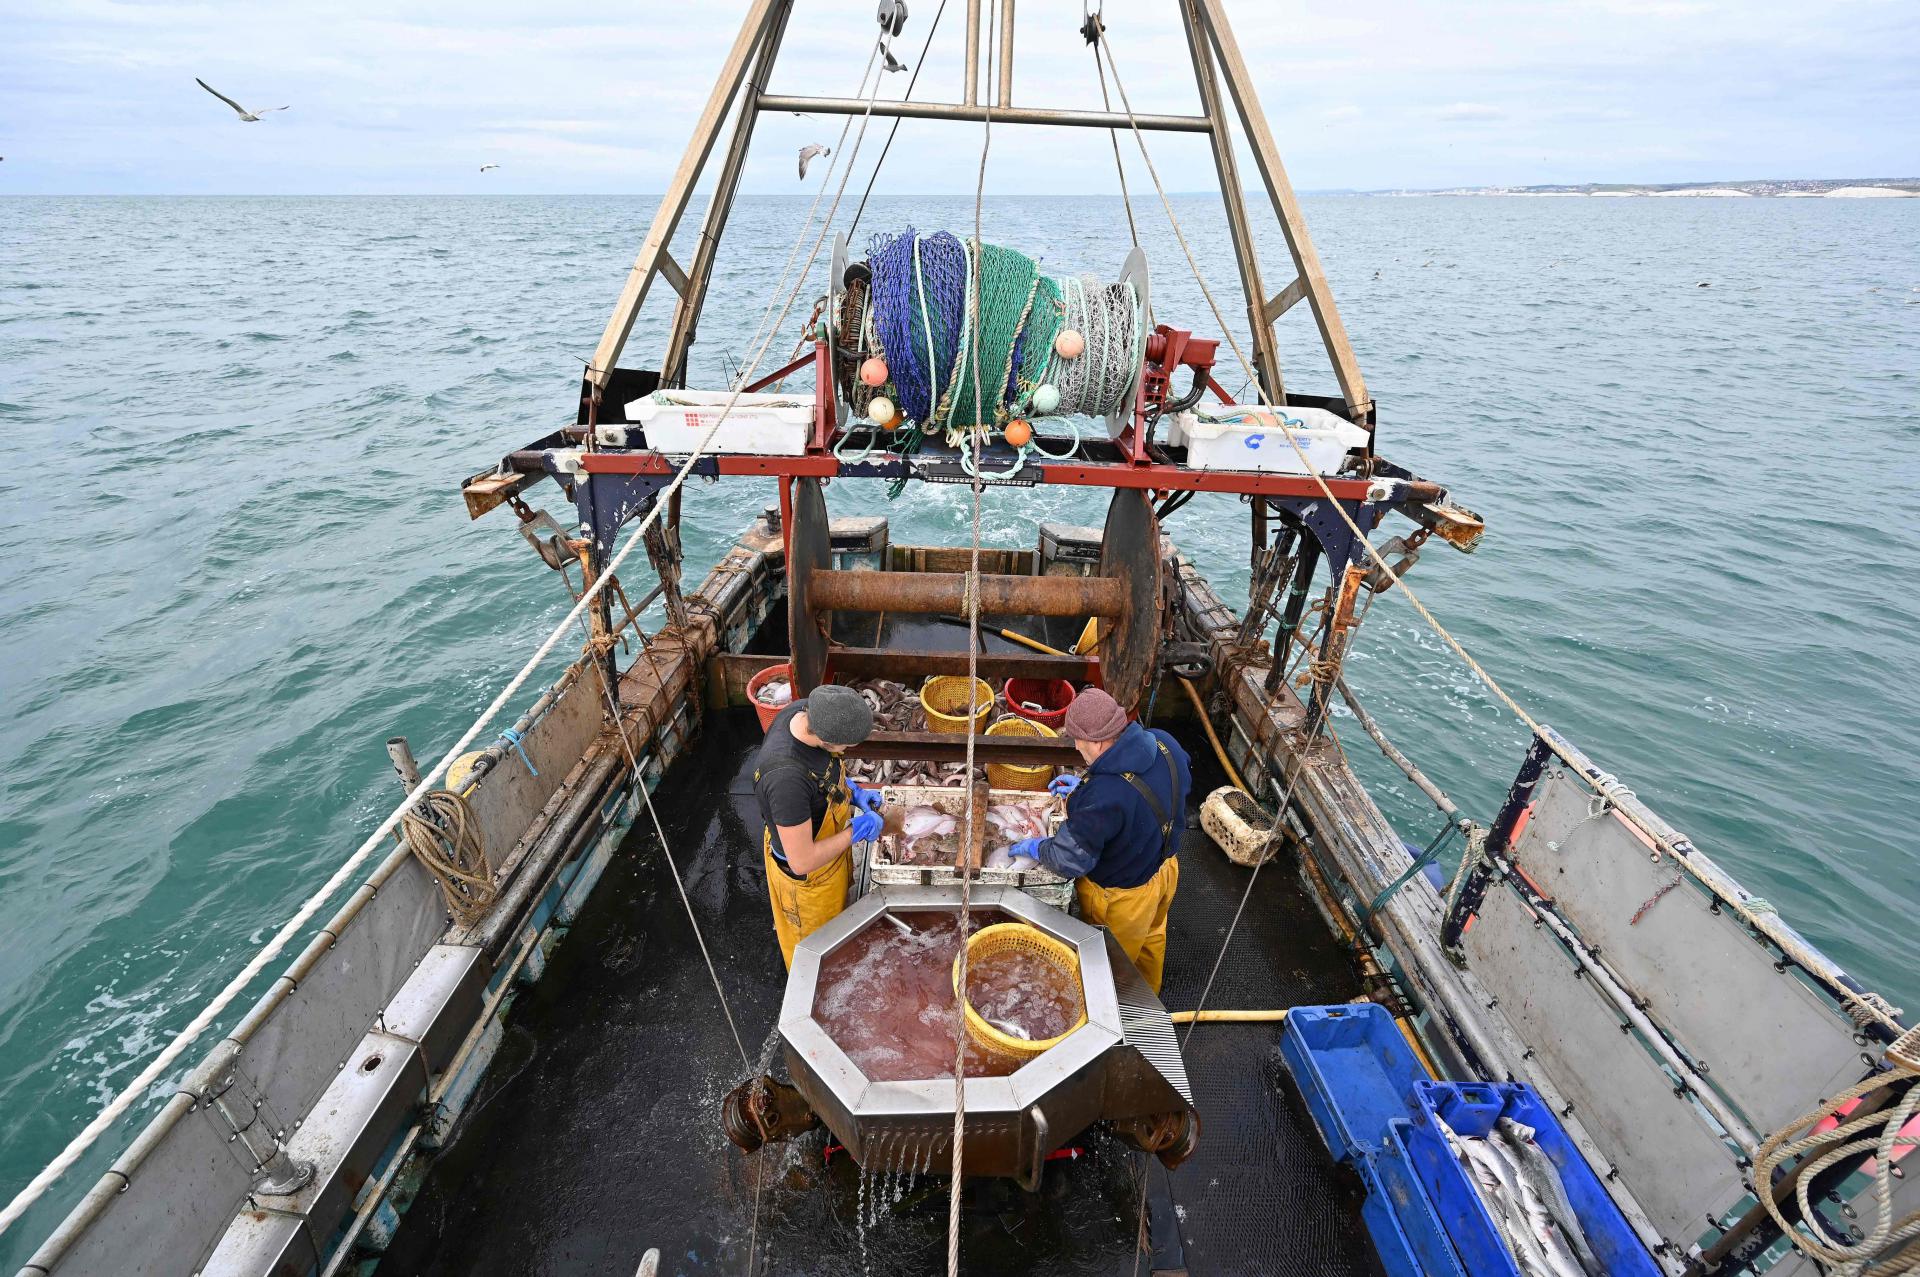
column 596, row 1134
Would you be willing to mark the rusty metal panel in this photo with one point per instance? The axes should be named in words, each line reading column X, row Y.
column 1673, row 1163
column 299, row 1047
column 1768, row 1042
column 509, row 795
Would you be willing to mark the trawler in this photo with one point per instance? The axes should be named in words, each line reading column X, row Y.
column 550, row 1031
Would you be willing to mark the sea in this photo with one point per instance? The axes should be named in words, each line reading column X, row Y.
column 235, row 558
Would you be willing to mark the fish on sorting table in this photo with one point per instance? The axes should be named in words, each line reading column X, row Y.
column 925, row 820
column 1538, row 1172
column 1017, row 821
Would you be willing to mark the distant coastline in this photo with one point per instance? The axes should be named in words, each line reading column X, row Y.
column 1790, row 188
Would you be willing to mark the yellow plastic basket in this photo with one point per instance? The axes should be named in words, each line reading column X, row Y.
column 1008, row 937
column 1012, row 776
column 944, row 697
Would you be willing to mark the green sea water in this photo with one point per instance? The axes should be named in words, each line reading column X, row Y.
column 235, row 558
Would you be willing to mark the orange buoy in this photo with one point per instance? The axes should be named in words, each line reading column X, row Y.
column 1019, row 432
column 1069, row 344
column 873, row 372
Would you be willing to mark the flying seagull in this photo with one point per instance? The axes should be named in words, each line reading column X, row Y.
column 807, row 153
column 488, row 168
column 246, row 116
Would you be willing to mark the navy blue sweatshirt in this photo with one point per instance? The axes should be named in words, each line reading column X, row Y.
column 1110, row 835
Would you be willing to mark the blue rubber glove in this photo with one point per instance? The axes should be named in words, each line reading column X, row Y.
column 1026, row 849
column 864, row 798
column 866, row 825
column 1061, row 786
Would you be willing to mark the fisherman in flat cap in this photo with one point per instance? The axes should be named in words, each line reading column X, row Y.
column 1122, row 828
column 813, row 813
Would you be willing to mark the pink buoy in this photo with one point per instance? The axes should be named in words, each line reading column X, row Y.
column 874, row 371
column 1069, row 344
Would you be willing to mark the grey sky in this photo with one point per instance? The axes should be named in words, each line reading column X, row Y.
column 98, row 95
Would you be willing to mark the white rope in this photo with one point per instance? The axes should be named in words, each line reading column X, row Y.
column 134, row 1090
column 973, row 724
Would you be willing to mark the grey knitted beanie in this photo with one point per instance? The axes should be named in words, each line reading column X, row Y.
column 839, row 715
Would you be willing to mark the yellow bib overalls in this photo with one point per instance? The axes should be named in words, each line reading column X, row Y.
column 801, row 906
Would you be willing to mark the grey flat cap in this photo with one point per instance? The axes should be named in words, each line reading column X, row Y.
column 839, row 715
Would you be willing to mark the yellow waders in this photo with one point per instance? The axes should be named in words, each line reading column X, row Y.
column 801, row 906
column 1137, row 916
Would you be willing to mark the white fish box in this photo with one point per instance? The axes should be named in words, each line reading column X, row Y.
column 1252, row 439
column 883, row 871
column 767, row 425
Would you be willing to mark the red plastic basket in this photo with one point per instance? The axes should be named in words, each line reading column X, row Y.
column 767, row 713
column 1052, row 695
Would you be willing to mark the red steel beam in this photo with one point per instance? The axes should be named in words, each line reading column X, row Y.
column 1163, row 478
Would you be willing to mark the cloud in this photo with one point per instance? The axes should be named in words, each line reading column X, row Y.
column 403, row 94
column 1470, row 111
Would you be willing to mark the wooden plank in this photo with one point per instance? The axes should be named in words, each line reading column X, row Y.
column 1004, row 97
column 686, row 313
column 728, row 674
column 679, row 190
column 1306, row 259
column 1284, row 300
column 1266, row 354
column 485, row 492
column 675, row 277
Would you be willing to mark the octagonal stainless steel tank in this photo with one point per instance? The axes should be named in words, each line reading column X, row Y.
column 1122, row 1066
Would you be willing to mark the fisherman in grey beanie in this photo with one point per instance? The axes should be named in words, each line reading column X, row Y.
column 838, row 715
column 812, row 813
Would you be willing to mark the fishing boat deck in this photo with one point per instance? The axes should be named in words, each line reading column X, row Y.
column 596, row 1134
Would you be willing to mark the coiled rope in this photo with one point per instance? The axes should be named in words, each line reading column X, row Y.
column 442, row 833
column 1879, row 1134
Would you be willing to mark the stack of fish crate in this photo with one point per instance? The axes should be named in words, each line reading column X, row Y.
column 1441, row 1159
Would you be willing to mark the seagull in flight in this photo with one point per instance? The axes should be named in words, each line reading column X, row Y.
column 488, row 168
column 246, row 116
column 807, row 153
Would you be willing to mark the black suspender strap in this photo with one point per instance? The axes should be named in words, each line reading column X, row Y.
column 1153, row 804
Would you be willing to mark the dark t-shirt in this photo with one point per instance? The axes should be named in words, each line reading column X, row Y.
column 793, row 781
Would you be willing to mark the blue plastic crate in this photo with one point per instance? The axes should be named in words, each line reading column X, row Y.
column 1357, row 1074
column 1355, row 1070
column 1471, row 1109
